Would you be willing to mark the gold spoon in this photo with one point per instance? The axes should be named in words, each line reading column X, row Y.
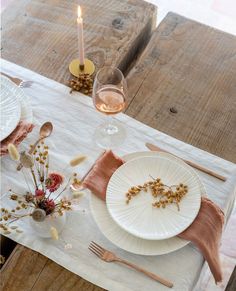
column 44, row 132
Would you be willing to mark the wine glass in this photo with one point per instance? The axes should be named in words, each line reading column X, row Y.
column 109, row 95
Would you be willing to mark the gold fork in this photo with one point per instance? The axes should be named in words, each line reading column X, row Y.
column 108, row 256
column 20, row 83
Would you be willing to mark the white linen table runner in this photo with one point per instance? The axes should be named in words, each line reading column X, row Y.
column 74, row 119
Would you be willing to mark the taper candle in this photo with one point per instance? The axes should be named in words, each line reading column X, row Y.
column 80, row 38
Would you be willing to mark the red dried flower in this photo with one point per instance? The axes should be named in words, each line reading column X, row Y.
column 50, row 204
column 54, row 181
column 39, row 193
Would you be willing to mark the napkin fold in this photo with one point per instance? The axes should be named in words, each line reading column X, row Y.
column 205, row 231
column 99, row 176
column 16, row 137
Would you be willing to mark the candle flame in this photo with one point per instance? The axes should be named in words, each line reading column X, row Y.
column 79, row 11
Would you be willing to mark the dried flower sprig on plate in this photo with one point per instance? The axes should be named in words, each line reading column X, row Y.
column 163, row 194
column 45, row 196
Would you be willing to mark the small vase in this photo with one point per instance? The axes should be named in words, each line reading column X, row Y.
column 42, row 228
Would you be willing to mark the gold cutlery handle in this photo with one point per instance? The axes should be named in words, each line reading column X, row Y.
column 147, row 273
column 4, row 74
column 192, row 164
column 17, row 81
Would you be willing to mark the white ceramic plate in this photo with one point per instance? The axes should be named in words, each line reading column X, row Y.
column 139, row 217
column 26, row 110
column 10, row 110
column 127, row 241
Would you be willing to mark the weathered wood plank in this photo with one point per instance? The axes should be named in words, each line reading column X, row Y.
column 232, row 282
column 42, row 35
column 28, row 270
column 189, row 68
column 6, row 247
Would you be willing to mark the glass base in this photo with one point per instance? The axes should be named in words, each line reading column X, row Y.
column 110, row 135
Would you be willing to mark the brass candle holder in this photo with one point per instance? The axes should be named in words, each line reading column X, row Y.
column 76, row 68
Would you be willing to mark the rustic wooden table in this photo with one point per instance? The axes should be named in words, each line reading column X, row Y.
column 42, row 35
column 183, row 84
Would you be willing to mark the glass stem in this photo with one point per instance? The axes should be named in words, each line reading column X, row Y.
column 110, row 128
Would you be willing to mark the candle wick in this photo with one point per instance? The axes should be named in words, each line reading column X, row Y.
column 81, row 66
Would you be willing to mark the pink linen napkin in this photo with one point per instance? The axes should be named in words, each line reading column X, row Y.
column 99, row 176
column 16, row 137
column 206, row 230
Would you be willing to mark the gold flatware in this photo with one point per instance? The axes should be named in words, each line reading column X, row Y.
column 19, row 82
column 192, row 164
column 108, row 256
column 44, row 132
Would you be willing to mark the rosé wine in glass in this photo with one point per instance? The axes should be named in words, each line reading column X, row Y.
column 109, row 96
column 109, row 100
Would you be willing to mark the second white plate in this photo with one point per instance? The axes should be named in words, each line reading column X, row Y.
column 10, row 110
column 127, row 241
column 139, row 217
column 26, row 109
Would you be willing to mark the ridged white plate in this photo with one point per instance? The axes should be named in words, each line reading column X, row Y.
column 10, row 110
column 139, row 217
column 25, row 106
column 124, row 240
column 26, row 110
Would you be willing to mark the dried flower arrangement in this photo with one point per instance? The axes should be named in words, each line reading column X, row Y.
column 48, row 187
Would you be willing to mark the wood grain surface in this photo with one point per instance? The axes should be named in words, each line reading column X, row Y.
column 42, row 35
column 232, row 282
column 184, row 84
column 28, row 270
